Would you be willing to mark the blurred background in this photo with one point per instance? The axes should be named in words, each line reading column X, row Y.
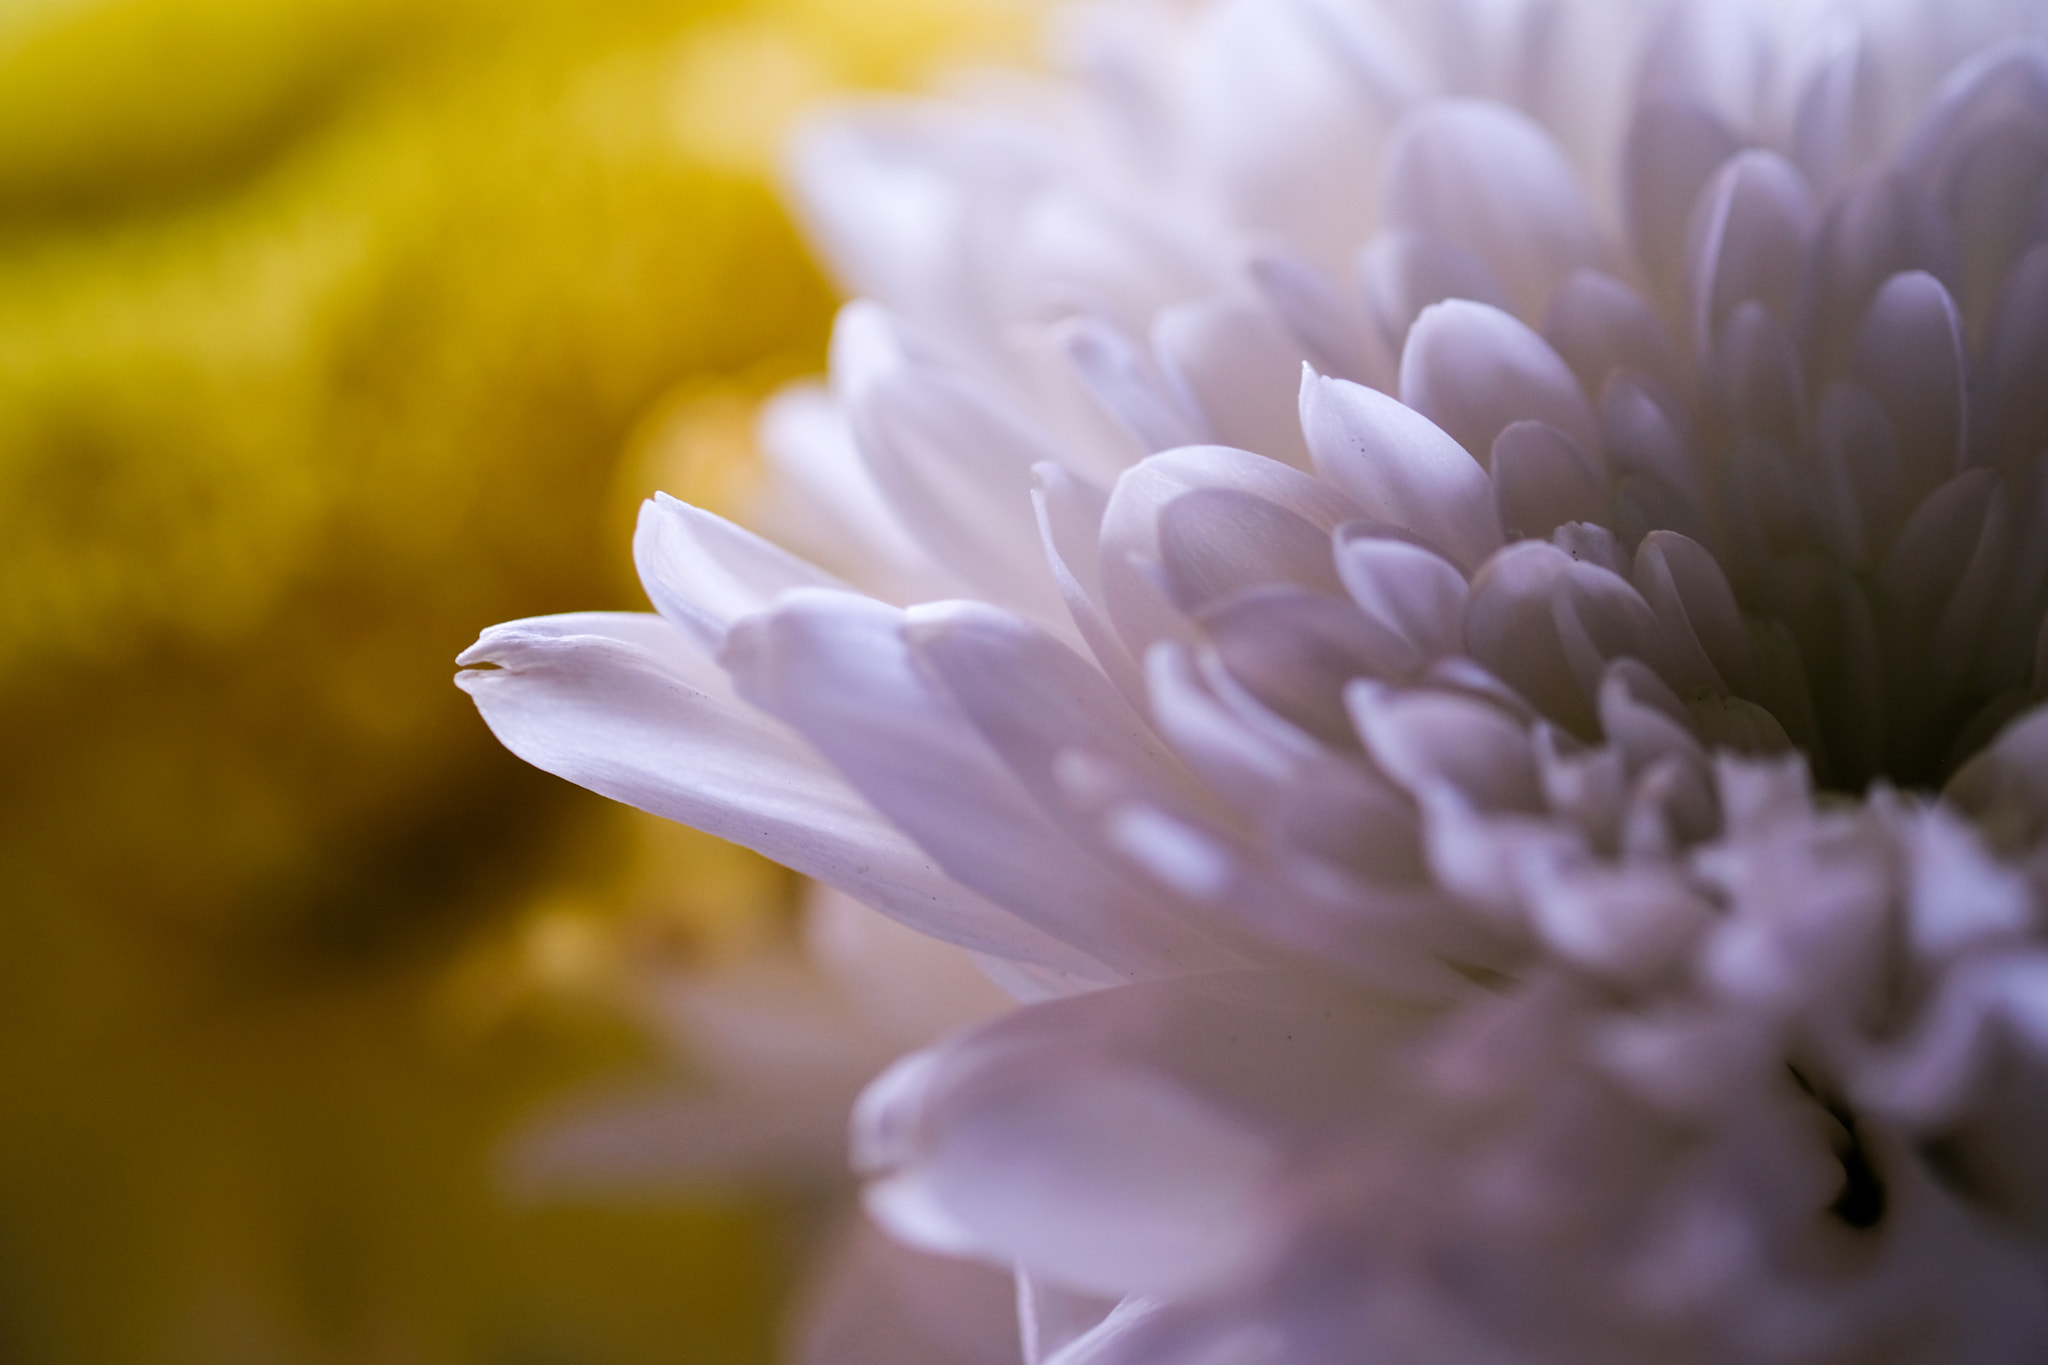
column 330, row 332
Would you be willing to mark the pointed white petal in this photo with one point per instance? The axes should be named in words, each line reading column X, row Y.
column 1330, row 327
column 1704, row 638
column 1401, row 467
column 1490, row 180
column 1216, row 542
column 953, row 461
column 1035, row 701
column 1070, row 527
column 703, row 573
column 1411, row 592
column 1296, row 650
column 1600, row 325
column 623, row 705
column 1473, row 370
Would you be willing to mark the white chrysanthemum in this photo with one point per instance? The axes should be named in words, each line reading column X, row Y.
column 1546, row 860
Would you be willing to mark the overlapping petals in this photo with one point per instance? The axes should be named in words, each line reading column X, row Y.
column 1546, row 860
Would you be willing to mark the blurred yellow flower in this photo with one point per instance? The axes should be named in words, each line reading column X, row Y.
column 325, row 327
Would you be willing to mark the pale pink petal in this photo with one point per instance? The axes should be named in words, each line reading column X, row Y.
column 948, row 456
column 1473, row 370
column 1542, row 479
column 1840, row 119
column 1034, row 700
column 838, row 670
column 1408, row 591
column 1123, row 380
column 1510, row 629
column 1705, row 642
column 1331, row 328
column 1747, row 241
column 1598, row 618
column 703, row 573
column 1402, row 273
column 1401, row 467
column 1424, row 739
column 1295, row 650
column 1600, row 325
column 875, row 1301
column 1132, row 524
column 2005, row 787
column 1070, row 526
column 1215, row 542
column 1282, row 133
column 1237, row 370
column 1243, row 753
column 2015, row 354
column 1981, row 153
column 1102, row 1177
column 623, row 705
column 1489, row 179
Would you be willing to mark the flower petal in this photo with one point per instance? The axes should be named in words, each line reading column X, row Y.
column 621, row 704
column 1542, row 479
column 837, row 669
column 1295, row 650
column 1237, row 368
column 1133, row 524
column 1104, row 1178
column 1909, row 352
column 1402, row 468
column 1034, row 700
column 1747, row 241
column 1704, row 638
column 1425, row 739
column 1673, row 148
column 1600, row 325
column 1216, row 542
column 1402, row 273
column 1123, row 381
column 1404, row 589
column 1124, row 1141
column 1510, row 628
column 1329, row 326
column 1473, row 370
column 703, row 573
column 953, row 463
column 1488, row 179
column 1070, row 527
column 2015, row 355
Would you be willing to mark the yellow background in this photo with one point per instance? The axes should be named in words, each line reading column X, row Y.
column 330, row 332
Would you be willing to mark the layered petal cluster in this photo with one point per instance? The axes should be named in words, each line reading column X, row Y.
column 1476, row 658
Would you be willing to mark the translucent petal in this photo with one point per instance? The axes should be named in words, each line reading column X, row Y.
column 1472, row 370
column 1401, row 467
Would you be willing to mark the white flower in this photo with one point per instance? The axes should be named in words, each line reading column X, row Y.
column 1551, row 868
